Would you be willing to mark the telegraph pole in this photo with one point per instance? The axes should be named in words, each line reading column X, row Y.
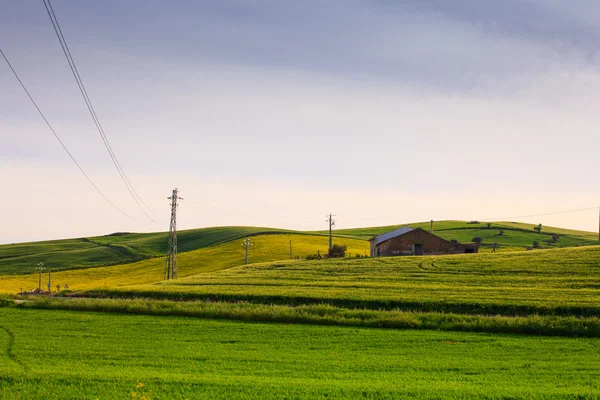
column 171, row 267
column 331, row 225
column 49, row 283
column 41, row 268
column 246, row 244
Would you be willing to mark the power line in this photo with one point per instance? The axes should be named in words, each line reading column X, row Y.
column 58, row 138
column 88, row 102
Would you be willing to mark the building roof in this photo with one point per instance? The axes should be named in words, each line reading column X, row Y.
column 388, row 235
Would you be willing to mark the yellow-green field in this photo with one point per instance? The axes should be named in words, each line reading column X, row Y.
column 269, row 247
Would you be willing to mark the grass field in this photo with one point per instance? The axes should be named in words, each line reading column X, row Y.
column 68, row 355
column 516, row 235
column 113, row 249
column 269, row 247
column 548, row 282
column 125, row 248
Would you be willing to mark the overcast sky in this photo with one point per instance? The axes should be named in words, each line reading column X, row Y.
column 274, row 113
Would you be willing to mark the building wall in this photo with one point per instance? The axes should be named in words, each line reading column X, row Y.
column 431, row 244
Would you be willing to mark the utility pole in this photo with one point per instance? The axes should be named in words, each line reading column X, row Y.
column 331, row 225
column 246, row 244
column 171, row 267
column 41, row 268
column 49, row 284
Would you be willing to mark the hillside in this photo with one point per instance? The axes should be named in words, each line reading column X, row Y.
column 115, row 249
column 543, row 282
column 515, row 234
column 266, row 247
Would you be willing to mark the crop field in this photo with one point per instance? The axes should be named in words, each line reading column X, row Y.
column 514, row 324
column 122, row 248
column 547, row 282
column 69, row 355
column 268, row 247
column 112, row 249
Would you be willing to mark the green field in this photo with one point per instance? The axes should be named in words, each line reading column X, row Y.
column 113, row 249
column 68, row 355
column 509, row 325
column 269, row 247
column 548, row 282
column 515, row 234
column 122, row 248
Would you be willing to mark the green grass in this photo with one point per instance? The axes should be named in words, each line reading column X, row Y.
column 69, row 254
column 269, row 247
column 67, row 355
column 328, row 315
column 107, row 250
column 546, row 282
column 515, row 234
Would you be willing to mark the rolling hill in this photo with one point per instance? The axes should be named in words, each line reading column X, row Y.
column 123, row 259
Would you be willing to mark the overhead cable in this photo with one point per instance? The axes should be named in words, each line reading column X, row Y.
column 58, row 138
column 73, row 67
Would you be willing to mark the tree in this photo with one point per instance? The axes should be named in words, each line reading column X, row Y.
column 500, row 233
column 536, row 244
column 454, row 241
column 555, row 238
column 337, row 250
column 489, row 225
column 477, row 239
column 538, row 228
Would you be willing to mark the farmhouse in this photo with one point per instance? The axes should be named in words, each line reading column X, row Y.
column 415, row 242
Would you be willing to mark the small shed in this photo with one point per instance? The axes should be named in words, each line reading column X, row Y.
column 415, row 242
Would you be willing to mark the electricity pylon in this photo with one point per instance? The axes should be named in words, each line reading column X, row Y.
column 171, row 267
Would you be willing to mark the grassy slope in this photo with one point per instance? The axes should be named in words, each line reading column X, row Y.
column 515, row 234
column 266, row 248
column 105, row 356
column 110, row 250
column 560, row 281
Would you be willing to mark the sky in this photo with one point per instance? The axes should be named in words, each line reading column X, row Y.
column 276, row 113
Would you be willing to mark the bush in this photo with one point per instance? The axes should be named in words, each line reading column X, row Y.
column 454, row 241
column 337, row 251
column 555, row 238
column 536, row 244
column 500, row 233
column 477, row 239
column 313, row 257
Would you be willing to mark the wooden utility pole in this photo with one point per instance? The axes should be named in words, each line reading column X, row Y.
column 331, row 225
column 49, row 284
column 41, row 268
column 247, row 243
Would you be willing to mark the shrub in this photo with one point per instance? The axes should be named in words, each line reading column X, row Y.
column 500, row 233
column 313, row 257
column 477, row 239
column 536, row 244
column 555, row 238
column 454, row 241
column 337, row 251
